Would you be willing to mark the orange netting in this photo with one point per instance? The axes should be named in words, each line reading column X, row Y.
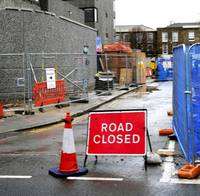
column 117, row 47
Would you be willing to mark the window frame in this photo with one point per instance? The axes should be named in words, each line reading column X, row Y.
column 175, row 38
column 191, row 38
column 95, row 14
column 165, row 38
column 150, row 37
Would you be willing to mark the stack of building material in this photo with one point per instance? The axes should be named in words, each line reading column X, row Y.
column 140, row 68
column 126, row 76
column 120, row 62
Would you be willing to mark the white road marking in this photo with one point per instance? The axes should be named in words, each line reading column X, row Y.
column 184, row 181
column 169, row 173
column 15, row 177
column 94, row 179
column 168, row 167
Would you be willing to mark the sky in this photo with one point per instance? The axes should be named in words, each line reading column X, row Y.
column 156, row 13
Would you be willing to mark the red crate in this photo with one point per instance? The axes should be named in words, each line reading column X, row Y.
column 43, row 96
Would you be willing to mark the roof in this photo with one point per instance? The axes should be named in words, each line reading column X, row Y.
column 185, row 25
column 117, row 47
column 128, row 28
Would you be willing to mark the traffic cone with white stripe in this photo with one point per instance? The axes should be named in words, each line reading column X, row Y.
column 68, row 161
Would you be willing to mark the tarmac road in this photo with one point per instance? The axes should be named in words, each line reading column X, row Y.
column 30, row 154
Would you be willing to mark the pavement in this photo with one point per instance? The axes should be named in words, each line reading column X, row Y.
column 54, row 115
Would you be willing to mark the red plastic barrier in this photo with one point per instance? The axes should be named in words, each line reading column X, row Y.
column 1, row 110
column 43, row 96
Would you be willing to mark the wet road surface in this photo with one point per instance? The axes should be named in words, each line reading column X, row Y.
column 34, row 152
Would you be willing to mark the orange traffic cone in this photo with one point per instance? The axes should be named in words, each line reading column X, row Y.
column 1, row 110
column 68, row 161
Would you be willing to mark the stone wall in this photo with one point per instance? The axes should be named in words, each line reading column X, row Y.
column 39, row 32
column 64, row 8
column 19, row 4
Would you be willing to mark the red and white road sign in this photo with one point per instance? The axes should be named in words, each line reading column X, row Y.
column 117, row 133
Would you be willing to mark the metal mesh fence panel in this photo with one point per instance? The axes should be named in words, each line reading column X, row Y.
column 179, row 98
column 186, row 100
column 115, row 70
column 12, row 82
column 76, row 70
column 194, row 135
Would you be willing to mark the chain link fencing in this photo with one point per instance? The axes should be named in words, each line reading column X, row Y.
column 27, row 85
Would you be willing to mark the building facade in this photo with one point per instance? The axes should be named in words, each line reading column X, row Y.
column 176, row 34
column 139, row 37
column 160, row 41
column 100, row 15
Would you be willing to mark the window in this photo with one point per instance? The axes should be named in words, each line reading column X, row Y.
column 107, row 35
column 164, row 37
column 43, row 4
column 34, row 1
column 174, row 36
column 191, row 36
column 126, row 37
column 165, row 48
column 117, row 37
column 149, row 37
column 139, row 38
column 91, row 15
column 106, row 15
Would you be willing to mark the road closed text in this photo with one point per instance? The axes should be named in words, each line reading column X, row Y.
column 114, row 132
column 121, row 133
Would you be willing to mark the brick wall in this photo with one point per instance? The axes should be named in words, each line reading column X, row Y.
column 182, row 37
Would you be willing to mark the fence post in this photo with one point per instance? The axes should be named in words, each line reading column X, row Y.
column 29, row 85
column 24, row 76
column 108, row 85
column 85, row 82
column 126, row 83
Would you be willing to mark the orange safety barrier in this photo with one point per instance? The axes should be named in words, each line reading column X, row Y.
column 43, row 96
column 166, row 132
column 189, row 171
column 1, row 110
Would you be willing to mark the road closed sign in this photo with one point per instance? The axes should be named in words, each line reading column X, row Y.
column 117, row 133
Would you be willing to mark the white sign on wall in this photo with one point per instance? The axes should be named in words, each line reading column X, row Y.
column 51, row 78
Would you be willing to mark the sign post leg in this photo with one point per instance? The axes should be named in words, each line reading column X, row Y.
column 85, row 160
column 145, row 162
column 96, row 160
column 150, row 147
column 149, row 141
